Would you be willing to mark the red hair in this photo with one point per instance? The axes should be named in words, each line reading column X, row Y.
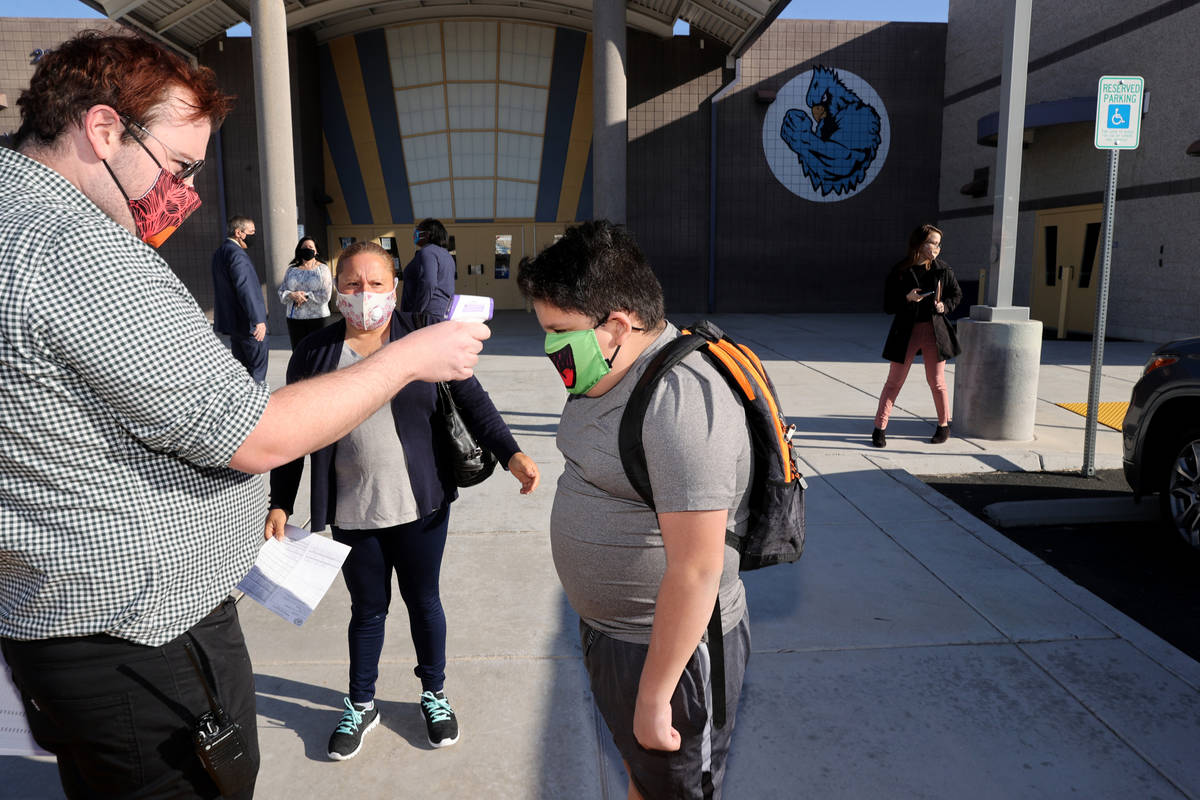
column 128, row 73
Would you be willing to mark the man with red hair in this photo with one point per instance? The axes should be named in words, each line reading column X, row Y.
column 129, row 500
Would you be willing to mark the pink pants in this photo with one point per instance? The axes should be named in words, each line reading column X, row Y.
column 922, row 339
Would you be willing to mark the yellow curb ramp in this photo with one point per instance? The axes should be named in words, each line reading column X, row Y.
column 1110, row 414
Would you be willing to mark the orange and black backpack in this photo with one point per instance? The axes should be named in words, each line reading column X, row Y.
column 775, row 534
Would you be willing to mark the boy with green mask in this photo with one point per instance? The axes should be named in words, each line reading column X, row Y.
column 643, row 580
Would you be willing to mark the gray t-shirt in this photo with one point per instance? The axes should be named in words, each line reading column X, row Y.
column 373, row 489
column 606, row 541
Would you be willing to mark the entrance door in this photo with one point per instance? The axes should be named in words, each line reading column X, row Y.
column 1065, row 264
column 489, row 254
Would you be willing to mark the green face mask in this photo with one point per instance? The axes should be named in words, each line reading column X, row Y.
column 577, row 357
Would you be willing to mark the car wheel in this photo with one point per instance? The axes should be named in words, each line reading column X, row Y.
column 1180, row 495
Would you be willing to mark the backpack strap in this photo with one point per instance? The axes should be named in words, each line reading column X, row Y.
column 629, row 435
column 716, row 658
column 633, row 460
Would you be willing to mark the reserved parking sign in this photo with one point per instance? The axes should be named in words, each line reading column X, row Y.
column 1119, row 112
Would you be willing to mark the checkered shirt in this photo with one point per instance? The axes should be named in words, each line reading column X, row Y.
column 119, row 413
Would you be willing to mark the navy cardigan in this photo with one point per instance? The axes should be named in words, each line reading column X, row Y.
column 414, row 410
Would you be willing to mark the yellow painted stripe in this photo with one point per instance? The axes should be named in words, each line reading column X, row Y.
column 1110, row 414
column 354, row 96
column 338, row 213
column 580, row 141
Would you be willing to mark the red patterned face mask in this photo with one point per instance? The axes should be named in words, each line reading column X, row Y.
column 162, row 209
column 166, row 204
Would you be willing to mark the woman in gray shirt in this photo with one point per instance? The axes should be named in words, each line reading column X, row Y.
column 386, row 489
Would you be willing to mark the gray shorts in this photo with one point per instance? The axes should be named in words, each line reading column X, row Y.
column 697, row 769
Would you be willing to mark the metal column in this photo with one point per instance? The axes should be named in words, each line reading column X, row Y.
column 609, row 137
column 277, row 170
column 1008, row 155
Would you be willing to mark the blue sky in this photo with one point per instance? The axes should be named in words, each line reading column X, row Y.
column 903, row 10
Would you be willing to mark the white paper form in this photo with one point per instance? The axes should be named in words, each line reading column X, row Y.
column 15, row 738
column 290, row 576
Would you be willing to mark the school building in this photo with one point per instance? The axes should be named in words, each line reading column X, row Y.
column 764, row 164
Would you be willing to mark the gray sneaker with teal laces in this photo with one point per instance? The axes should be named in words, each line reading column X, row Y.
column 347, row 738
column 440, row 723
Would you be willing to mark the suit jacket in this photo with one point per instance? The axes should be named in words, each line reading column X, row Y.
column 900, row 281
column 414, row 409
column 428, row 282
column 239, row 304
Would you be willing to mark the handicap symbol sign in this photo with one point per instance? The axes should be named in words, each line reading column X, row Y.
column 1118, row 116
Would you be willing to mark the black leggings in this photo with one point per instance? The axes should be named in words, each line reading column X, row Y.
column 299, row 328
column 414, row 552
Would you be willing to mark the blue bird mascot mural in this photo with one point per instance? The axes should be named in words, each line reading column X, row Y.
column 836, row 145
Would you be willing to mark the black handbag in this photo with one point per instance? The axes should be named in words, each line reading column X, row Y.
column 472, row 462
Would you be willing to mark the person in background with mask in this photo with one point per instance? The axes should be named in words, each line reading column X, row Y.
column 305, row 291
column 238, row 310
column 386, row 488
column 429, row 277
column 919, row 292
column 643, row 580
column 130, row 501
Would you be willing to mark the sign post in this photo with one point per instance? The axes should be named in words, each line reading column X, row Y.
column 1118, row 127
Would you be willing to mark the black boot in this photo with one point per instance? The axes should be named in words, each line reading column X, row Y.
column 940, row 434
column 878, row 439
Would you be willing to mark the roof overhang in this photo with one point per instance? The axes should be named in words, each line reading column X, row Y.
column 1039, row 115
column 187, row 24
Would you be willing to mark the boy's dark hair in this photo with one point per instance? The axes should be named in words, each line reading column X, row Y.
column 435, row 232
column 128, row 73
column 595, row 268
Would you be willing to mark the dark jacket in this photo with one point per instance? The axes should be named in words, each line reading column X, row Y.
column 238, row 298
column 900, row 281
column 428, row 282
column 413, row 409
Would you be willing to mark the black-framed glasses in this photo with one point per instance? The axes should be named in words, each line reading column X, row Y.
column 190, row 168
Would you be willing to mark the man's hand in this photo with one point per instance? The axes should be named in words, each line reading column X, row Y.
column 304, row 416
column 447, row 351
column 939, row 307
column 524, row 469
column 260, row 331
column 652, row 725
column 276, row 519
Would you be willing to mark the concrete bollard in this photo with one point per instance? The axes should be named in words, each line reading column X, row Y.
column 996, row 378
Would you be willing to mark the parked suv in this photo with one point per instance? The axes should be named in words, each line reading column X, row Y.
column 1161, row 435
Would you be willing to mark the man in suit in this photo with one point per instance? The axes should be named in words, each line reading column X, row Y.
column 240, row 312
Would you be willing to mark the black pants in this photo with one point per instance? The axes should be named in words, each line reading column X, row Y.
column 414, row 552
column 119, row 716
column 253, row 355
column 299, row 328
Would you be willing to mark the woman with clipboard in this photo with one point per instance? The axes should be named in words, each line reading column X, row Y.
column 920, row 290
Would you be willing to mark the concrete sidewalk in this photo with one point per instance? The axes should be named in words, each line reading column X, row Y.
column 912, row 652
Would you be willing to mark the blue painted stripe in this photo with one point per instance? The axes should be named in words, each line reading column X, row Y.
column 341, row 143
column 381, row 101
column 584, row 211
column 464, row 221
column 560, row 113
